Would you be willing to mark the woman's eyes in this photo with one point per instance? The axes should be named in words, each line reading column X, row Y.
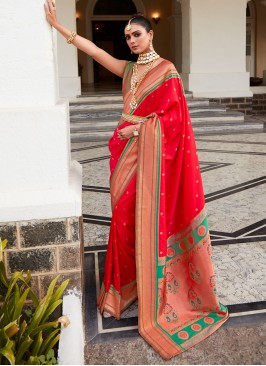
column 135, row 35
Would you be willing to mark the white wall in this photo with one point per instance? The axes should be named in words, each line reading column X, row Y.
column 37, row 178
column 69, row 81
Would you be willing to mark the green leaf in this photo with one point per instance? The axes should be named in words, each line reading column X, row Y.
column 16, row 294
column 33, row 360
column 14, row 279
column 3, row 276
column 22, row 349
column 3, row 337
column 37, row 345
column 22, row 329
column 44, row 327
column 46, row 344
column 53, row 342
column 3, row 243
column 42, row 359
column 34, row 298
column 8, row 354
column 19, row 305
column 50, row 354
column 59, row 292
column 43, row 305
column 51, row 309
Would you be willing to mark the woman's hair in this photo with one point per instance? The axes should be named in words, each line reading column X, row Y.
column 141, row 20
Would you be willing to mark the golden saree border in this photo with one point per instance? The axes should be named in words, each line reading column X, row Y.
column 124, row 171
column 115, row 303
column 151, row 82
column 167, row 341
column 149, row 159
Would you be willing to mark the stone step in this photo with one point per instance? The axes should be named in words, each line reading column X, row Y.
column 212, row 117
column 107, row 97
column 94, row 117
column 118, row 104
column 105, row 133
column 99, row 121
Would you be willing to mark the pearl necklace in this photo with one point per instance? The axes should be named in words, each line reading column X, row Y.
column 135, row 82
column 145, row 58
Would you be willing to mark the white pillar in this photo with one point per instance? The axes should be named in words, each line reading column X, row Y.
column 214, row 46
column 69, row 81
column 38, row 181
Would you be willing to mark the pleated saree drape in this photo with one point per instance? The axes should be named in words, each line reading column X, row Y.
column 159, row 248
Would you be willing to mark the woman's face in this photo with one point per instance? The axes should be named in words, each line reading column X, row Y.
column 138, row 39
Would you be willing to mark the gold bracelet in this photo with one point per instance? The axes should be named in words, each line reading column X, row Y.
column 71, row 38
column 135, row 132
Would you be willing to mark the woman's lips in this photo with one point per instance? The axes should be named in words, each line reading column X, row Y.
column 134, row 47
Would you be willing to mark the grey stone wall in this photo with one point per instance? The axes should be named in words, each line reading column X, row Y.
column 46, row 248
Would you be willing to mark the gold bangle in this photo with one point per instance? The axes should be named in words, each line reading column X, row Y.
column 71, row 38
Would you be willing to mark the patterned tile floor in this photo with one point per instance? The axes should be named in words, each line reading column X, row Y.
column 234, row 176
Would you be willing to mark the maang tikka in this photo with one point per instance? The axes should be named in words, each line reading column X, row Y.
column 128, row 27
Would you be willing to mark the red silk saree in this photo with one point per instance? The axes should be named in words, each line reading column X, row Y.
column 159, row 248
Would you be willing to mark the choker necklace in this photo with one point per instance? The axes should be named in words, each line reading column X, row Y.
column 145, row 58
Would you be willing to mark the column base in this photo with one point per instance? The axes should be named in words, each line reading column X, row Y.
column 69, row 87
column 217, row 85
column 44, row 204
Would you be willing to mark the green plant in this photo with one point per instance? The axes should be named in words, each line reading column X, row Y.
column 27, row 336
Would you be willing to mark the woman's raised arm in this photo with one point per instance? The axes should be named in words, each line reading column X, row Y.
column 111, row 63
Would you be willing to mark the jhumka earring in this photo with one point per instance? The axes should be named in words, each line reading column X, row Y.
column 151, row 46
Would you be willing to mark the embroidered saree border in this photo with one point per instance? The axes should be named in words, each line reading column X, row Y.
column 115, row 303
column 168, row 342
column 149, row 89
column 124, row 171
column 149, row 158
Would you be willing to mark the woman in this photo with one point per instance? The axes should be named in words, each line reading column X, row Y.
column 159, row 248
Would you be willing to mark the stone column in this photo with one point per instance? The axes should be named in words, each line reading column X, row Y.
column 176, row 34
column 69, row 81
column 40, row 201
column 213, row 48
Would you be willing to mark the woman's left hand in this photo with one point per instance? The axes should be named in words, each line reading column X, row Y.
column 127, row 132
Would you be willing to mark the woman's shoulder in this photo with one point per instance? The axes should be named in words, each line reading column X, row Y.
column 168, row 67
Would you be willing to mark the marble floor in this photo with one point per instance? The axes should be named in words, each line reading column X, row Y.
column 233, row 168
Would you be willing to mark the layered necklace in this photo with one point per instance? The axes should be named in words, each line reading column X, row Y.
column 143, row 59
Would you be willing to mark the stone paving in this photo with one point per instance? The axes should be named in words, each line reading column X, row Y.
column 234, row 175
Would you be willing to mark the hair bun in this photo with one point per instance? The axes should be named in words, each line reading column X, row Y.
column 138, row 14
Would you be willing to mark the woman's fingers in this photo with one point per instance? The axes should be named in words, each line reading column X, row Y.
column 50, row 11
column 46, row 9
column 126, row 133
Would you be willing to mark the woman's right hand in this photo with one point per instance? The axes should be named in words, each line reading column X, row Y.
column 50, row 11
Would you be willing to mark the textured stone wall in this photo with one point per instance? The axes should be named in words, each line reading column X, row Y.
column 46, row 248
column 254, row 105
column 259, row 104
column 243, row 105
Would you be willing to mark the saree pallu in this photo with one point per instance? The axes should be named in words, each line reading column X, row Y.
column 159, row 248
